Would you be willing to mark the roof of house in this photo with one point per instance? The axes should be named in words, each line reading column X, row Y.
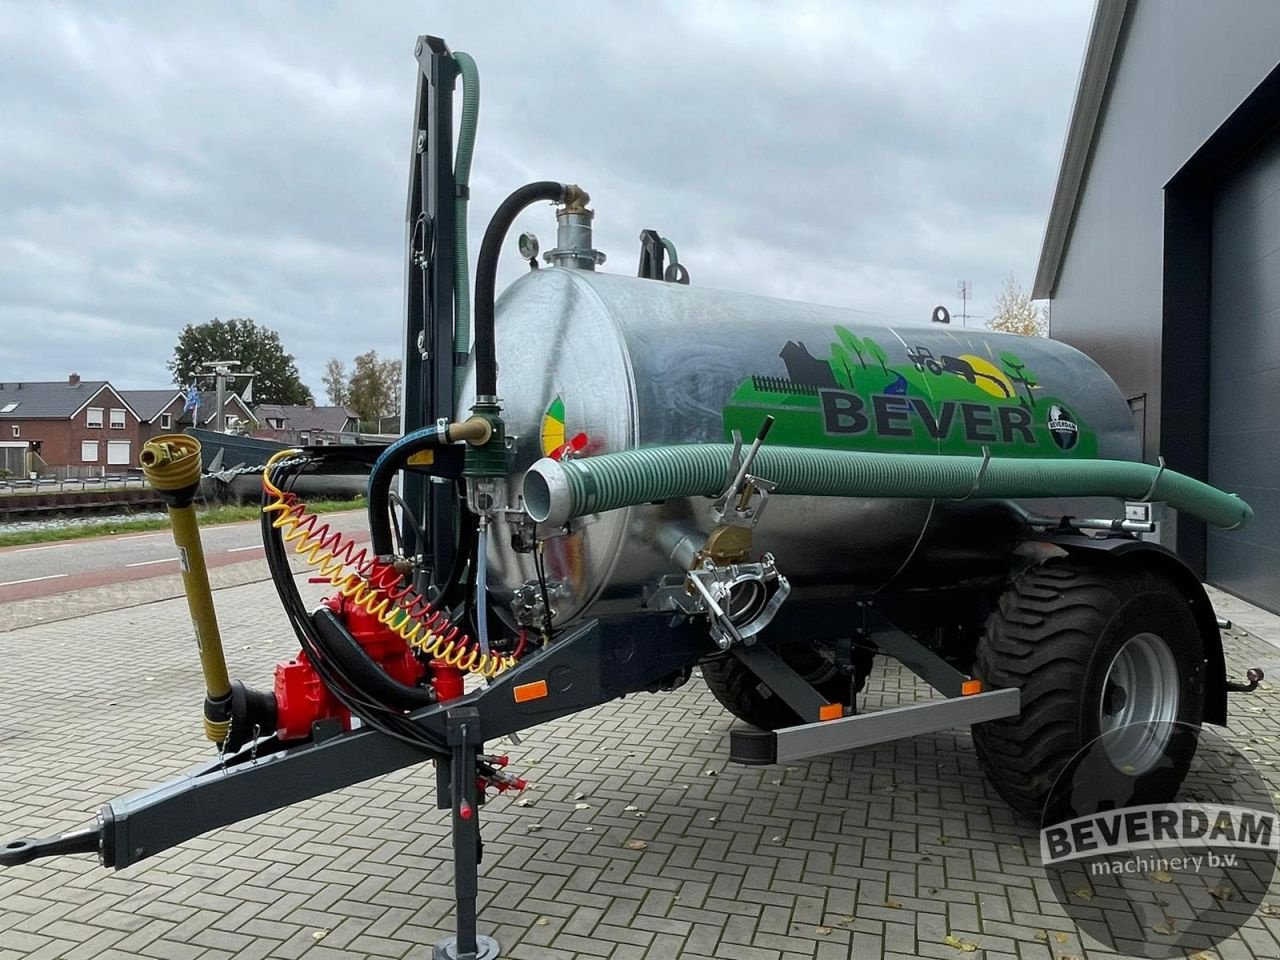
column 1100, row 57
column 209, row 406
column 305, row 417
column 149, row 404
column 49, row 400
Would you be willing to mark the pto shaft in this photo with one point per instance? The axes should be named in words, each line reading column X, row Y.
column 171, row 464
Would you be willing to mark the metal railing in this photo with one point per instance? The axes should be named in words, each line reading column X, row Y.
column 109, row 481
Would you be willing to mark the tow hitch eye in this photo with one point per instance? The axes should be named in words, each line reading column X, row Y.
column 1253, row 675
column 17, row 852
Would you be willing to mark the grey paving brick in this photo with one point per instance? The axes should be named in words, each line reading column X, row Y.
column 875, row 855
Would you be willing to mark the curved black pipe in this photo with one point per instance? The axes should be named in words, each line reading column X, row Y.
column 487, row 274
column 357, row 664
column 383, row 473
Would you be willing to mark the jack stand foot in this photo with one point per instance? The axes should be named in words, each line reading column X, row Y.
column 460, row 791
column 447, row 949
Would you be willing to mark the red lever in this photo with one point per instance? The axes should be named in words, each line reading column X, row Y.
column 573, row 445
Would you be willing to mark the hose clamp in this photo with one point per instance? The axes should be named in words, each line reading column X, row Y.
column 978, row 477
column 1155, row 482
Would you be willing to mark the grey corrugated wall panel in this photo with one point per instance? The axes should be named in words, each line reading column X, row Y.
column 1244, row 373
column 1182, row 69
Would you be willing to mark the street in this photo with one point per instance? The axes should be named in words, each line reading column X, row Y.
column 46, row 569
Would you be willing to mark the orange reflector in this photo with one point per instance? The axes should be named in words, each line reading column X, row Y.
column 830, row 711
column 530, row 691
column 970, row 687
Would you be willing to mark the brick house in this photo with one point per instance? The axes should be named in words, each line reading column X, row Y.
column 237, row 412
column 302, row 423
column 162, row 411
column 158, row 410
column 78, row 427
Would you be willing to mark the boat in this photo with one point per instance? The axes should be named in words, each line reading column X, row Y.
column 232, row 468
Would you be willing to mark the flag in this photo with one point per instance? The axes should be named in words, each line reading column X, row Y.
column 247, row 396
column 191, row 401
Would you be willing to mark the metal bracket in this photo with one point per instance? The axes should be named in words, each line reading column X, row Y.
column 776, row 674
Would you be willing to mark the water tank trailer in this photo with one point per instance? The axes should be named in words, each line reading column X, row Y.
column 630, row 477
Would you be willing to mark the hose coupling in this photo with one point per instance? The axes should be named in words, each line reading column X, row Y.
column 474, row 430
column 575, row 198
column 487, row 457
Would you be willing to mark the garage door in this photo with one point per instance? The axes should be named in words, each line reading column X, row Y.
column 118, row 452
column 1244, row 373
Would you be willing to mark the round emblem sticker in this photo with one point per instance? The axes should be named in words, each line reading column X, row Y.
column 1063, row 427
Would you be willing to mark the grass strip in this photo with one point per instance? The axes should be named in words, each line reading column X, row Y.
column 211, row 516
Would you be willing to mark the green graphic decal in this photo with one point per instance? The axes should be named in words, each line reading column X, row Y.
column 855, row 398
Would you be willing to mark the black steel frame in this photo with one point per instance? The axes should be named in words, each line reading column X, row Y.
column 429, row 289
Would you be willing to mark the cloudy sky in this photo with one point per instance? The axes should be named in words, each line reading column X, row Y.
column 164, row 164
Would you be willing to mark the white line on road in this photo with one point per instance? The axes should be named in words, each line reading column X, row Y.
column 52, row 576
column 147, row 563
column 47, row 546
column 139, row 536
column 252, row 546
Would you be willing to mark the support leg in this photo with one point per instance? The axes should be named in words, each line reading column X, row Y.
column 464, row 737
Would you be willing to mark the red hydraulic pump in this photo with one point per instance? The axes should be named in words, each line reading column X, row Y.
column 302, row 698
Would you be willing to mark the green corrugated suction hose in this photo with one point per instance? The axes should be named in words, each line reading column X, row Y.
column 556, row 492
column 462, row 176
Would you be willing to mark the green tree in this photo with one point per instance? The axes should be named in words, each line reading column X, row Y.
column 257, row 348
column 335, row 382
column 374, row 388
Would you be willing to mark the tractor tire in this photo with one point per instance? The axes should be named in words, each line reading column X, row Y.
column 743, row 694
column 1094, row 644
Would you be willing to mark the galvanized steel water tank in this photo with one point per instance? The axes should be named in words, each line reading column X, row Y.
column 594, row 363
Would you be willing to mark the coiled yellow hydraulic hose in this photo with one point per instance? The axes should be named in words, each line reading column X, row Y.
column 373, row 586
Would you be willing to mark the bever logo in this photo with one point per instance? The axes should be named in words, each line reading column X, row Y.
column 1063, row 427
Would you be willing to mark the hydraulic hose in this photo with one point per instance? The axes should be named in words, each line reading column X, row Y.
column 487, row 271
column 482, row 588
column 556, row 492
column 462, row 177
column 171, row 464
column 375, row 587
column 381, row 476
column 392, row 459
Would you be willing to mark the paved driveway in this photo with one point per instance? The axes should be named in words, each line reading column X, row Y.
column 884, row 853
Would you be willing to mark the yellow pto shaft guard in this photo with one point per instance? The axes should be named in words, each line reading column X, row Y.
column 171, row 464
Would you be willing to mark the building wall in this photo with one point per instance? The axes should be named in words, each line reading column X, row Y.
column 61, row 439
column 1182, row 69
column 155, row 427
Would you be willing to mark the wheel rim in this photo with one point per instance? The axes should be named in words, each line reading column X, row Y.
column 1140, row 700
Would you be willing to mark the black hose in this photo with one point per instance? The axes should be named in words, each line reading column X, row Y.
column 384, row 471
column 346, row 688
column 409, row 517
column 356, row 663
column 487, row 275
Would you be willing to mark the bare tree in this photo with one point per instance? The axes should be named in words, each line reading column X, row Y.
column 335, row 382
column 1016, row 312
